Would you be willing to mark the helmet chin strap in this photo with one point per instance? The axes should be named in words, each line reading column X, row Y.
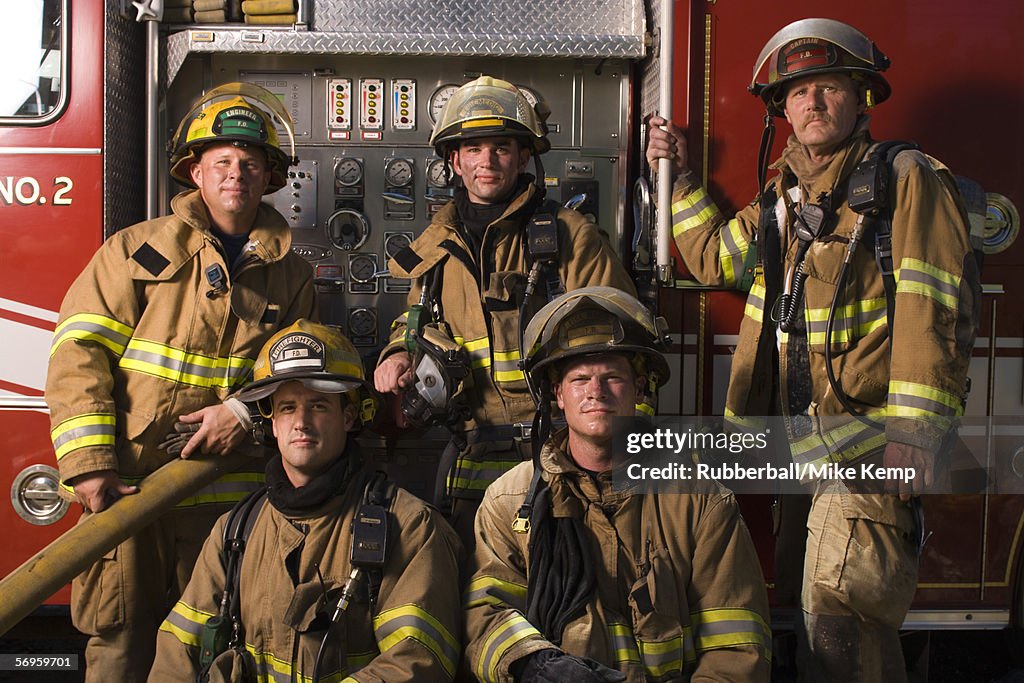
column 764, row 151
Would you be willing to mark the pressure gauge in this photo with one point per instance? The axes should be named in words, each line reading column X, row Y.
column 362, row 267
column 362, row 322
column 347, row 229
column 349, row 171
column 398, row 172
column 530, row 95
column 436, row 176
column 439, row 99
column 395, row 242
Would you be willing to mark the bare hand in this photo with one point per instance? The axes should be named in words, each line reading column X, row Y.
column 666, row 143
column 219, row 431
column 98, row 490
column 394, row 374
column 906, row 456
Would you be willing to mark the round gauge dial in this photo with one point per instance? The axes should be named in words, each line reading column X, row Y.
column 347, row 229
column 362, row 268
column 396, row 242
column 435, row 173
column 398, row 172
column 439, row 99
column 531, row 97
column 362, row 322
column 349, row 171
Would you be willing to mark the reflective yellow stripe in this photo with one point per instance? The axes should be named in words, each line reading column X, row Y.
column 477, row 475
column 414, row 623
column 272, row 669
column 840, row 444
column 489, row 590
column 175, row 365
column 917, row 277
column 754, row 307
column 744, row 424
column 851, row 322
column 691, row 211
column 661, row 658
column 92, row 429
column 730, row 627
column 623, row 643
column 91, row 327
column 500, row 640
column 910, row 399
column 733, row 251
column 186, row 623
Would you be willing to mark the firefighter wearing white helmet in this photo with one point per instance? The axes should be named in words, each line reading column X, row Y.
column 154, row 336
column 489, row 260
column 325, row 526
column 863, row 298
column 581, row 577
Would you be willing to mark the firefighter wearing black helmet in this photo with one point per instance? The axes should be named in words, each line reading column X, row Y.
column 161, row 327
column 471, row 268
column 858, row 328
column 580, row 576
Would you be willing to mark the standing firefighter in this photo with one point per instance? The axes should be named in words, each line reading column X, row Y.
column 488, row 261
column 166, row 321
column 581, row 575
column 330, row 573
column 860, row 319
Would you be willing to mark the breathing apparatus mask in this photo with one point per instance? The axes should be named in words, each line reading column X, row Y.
column 441, row 375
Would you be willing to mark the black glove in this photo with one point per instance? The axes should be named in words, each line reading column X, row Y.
column 554, row 666
column 175, row 442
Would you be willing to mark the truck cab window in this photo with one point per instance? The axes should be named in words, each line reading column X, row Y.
column 32, row 50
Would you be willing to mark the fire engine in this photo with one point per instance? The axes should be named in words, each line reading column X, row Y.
column 92, row 90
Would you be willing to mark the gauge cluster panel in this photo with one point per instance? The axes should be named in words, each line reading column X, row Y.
column 368, row 182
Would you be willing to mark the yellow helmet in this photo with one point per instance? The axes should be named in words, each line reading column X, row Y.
column 241, row 119
column 319, row 356
column 812, row 46
column 594, row 320
column 489, row 107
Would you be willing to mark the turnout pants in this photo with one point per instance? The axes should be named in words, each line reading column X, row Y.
column 121, row 600
column 860, row 575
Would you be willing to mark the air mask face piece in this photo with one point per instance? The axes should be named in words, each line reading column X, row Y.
column 440, row 377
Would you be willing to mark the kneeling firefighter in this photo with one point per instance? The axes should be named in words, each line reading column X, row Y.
column 489, row 260
column 329, row 570
column 584, row 575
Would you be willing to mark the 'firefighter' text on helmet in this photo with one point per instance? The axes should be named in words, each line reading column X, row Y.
column 595, row 320
column 811, row 46
column 489, row 107
column 239, row 113
column 320, row 357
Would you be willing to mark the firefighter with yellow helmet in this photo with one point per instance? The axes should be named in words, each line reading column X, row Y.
column 863, row 299
column 154, row 336
column 580, row 575
column 329, row 571
column 489, row 260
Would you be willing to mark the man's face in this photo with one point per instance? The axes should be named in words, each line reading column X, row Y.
column 490, row 167
column 595, row 389
column 231, row 179
column 823, row 110
column 311, row 429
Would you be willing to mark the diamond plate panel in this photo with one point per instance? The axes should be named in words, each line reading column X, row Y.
column 528, row 28
column 123, row 97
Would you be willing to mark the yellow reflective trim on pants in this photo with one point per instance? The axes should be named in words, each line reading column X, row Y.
column 92, row 429
column 91, row 327
column 414, row 623
column 490, row 590
column 499, row 641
